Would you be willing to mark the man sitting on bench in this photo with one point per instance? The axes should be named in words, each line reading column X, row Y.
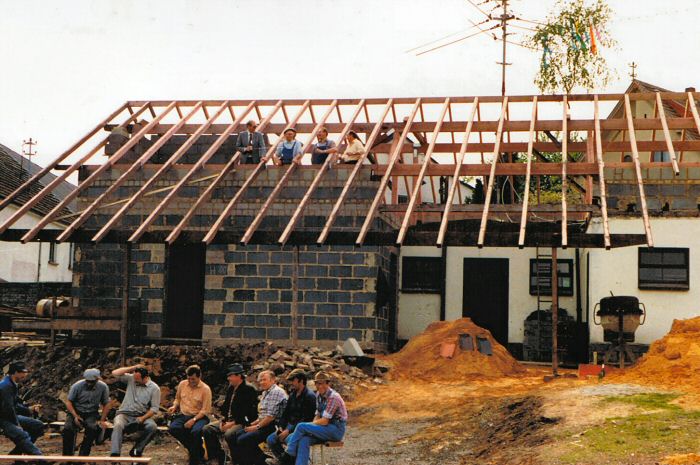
column 15, row 420
column 193, row 401
column 329, row 424
column 85, row 397
column 141, row 402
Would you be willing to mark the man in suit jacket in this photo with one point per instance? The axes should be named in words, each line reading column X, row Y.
column 251, row 144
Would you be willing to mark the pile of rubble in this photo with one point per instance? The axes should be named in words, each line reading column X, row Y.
column 53, row 370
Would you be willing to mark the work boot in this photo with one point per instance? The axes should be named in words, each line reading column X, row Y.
column 272, row 461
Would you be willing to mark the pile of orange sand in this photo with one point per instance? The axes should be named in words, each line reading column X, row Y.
column 421, row 358
column 672, row 361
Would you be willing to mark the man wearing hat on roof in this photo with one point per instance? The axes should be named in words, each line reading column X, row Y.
column 15, row 418
column 328, row 425
column 289, row 150
column 301, row 407
column 240, row 409
column 250, row 143
column 85, row 398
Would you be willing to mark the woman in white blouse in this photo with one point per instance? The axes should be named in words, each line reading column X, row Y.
column 354, row 149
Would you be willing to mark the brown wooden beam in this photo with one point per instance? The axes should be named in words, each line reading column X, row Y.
column 601, row 173
column 564, row 177
column 667, row 134
column 492, row 174
column 528, row 173
column 251, row 177
column 355, row 169
column 385, row 179
column 181, row 151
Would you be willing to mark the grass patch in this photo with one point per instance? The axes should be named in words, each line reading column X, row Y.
column 659, row 429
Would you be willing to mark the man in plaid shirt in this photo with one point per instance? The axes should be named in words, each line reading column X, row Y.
column 244, row 447
column 329, row 424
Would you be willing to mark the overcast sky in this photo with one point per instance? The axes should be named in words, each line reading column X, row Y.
column 65, row 65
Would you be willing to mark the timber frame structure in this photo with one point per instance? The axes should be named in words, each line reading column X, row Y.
column 455, row 137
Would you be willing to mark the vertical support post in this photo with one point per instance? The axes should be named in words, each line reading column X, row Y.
column 555, row 312
column 53, row 317
column 124, row 324
column 564, row 179
column 601, row 172
column 295, row 298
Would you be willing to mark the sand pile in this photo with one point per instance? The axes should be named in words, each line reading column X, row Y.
column 672, row 361
column 421, row 356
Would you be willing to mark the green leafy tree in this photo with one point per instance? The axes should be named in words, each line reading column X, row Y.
column 571, row 42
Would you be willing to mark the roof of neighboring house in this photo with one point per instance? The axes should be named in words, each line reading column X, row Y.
column 15, row 169
column 673, row 108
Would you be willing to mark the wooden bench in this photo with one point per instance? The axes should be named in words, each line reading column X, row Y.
column 321, row 447
column 71, row 459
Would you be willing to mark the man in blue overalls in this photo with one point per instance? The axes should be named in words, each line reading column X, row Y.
column 289, row 150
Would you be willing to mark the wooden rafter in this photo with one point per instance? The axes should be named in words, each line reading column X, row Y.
column 664, row 125
column 385, row 180
column 455, row 176
column 206, row 195
column 317, row 179
column 638, row 170
column 564, row 176
column 282, row 182
column 601, row 172
column 44, row 171
column 492, row 174
column 197, row 166
column 694, row 110
column 356, row 169
column 421, row 174
column 254, row 174
column 181, row 151
column 125, row 175
column 528, row 173
column 90, row 179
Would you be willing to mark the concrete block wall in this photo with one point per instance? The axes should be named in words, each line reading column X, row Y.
column 681, row 195
column 249, row 294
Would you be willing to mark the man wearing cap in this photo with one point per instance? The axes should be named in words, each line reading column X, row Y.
column 193, row 401
column 85, row 398
column 246, row 450
column 289, row 150
column 141, row 402
column 301, row 407
column 239, row 410
column 251, row 144
column 328, row 425
column 15, row 418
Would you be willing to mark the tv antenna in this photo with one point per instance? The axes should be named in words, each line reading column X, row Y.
column 488, row 23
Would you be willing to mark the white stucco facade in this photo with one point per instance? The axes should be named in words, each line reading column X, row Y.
column 30, row 262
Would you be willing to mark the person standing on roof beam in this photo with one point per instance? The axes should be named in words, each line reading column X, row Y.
column 290, row 150
column 323, row 148
column 251, row 144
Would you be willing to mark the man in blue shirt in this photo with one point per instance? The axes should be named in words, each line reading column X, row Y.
column 15, row 417
column 289, row 150
column 85, row 398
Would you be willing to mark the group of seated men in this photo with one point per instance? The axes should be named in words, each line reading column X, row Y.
column 251, row 144
column 288, row 423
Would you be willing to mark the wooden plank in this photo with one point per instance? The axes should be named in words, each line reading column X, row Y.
column 21, row 211
column 421, row 174
column 638, row 171
column 282, row 182
column 135, row 166
column 385, row 179
column 601, row 172
column 206, row 195
column 90, row 179
column 694, row 110
column 197, row 166
column 251, row 177
column 492, row 175
column 355, row 169
column 455, row 177
column 528, row 173
column 45, row 170
column 69, row 459
column 667, row 133
column 317, row 179
column 564, row 178
column 181, row 151
column 81, row 324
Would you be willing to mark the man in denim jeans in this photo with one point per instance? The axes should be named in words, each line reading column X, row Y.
column 329, row 424
column 15, row 417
